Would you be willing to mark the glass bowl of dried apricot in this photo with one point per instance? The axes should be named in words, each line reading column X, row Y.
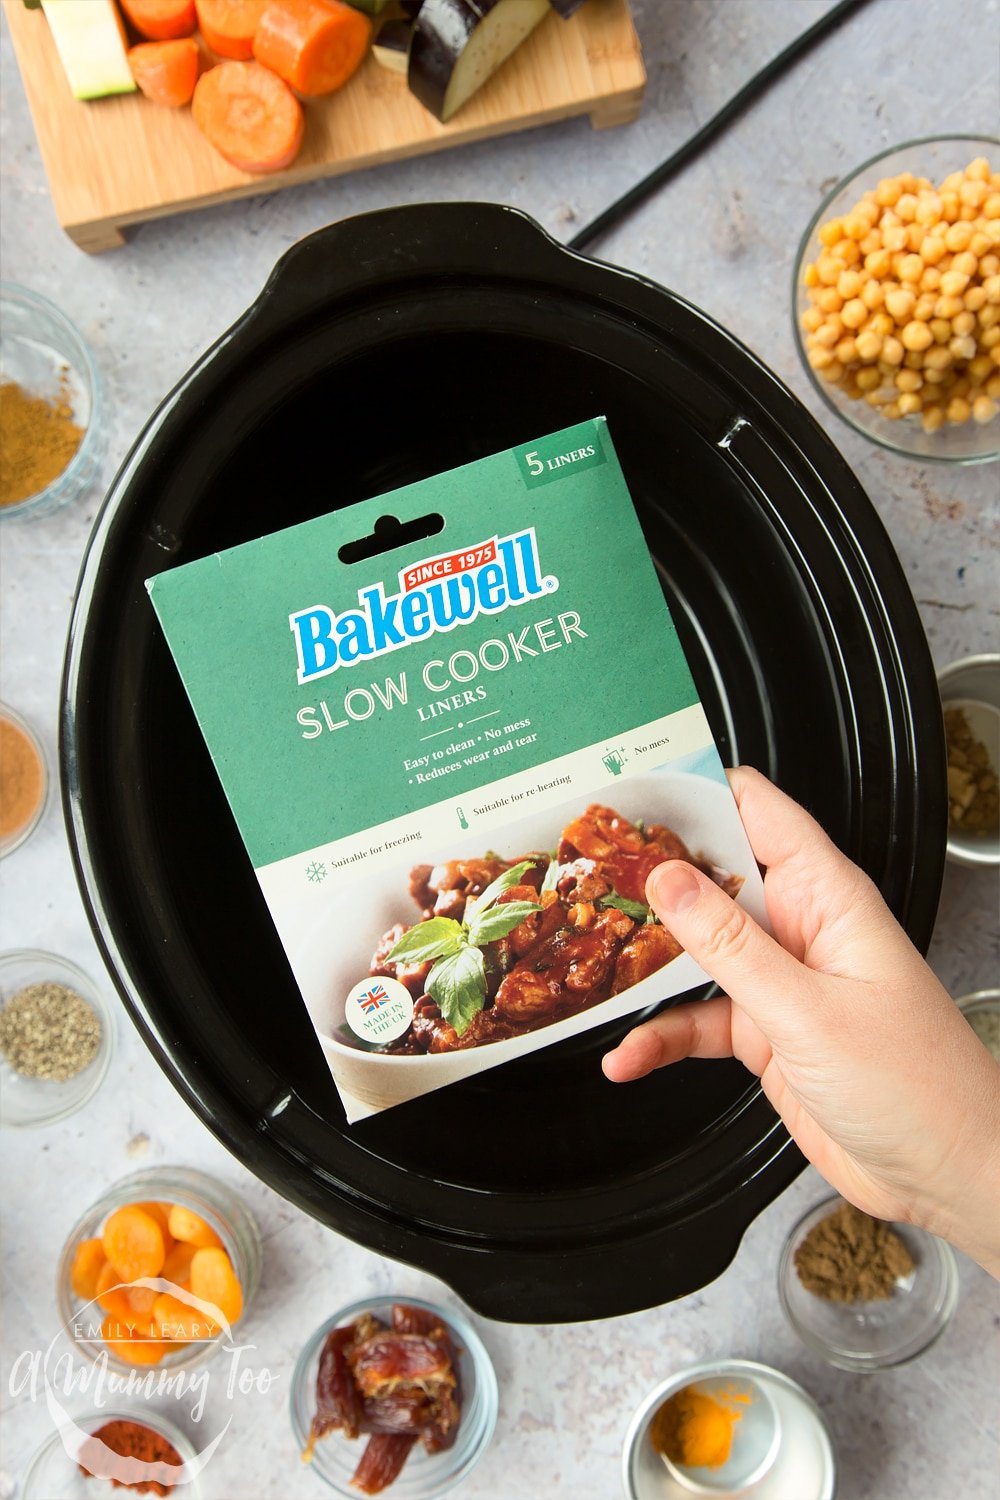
column 158, row 1271
column 896, row 299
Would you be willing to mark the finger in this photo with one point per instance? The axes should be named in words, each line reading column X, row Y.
column 765, row 981
column 779, row 830
column 822, row 906
column 703, row 1029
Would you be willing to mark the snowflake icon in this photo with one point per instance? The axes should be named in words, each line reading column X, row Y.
column 316, row 872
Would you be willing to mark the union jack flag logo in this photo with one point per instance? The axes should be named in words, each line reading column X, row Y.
column 374, row 998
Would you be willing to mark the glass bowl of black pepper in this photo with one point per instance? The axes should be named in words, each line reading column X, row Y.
column 864, row 1294
column 57, row 1035
column 52, row 423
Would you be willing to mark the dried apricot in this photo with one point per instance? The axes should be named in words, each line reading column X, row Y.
column 177, row 1266
column 177, row 1320
column 186, row 1225
column 88, row 1261
column 161, row 1213
column 214, row 1280
column 112, row 1295
column 133, row 1243
column 135, row 1346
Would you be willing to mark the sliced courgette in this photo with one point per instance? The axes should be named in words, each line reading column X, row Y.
column 458, row 44
column 90, row 40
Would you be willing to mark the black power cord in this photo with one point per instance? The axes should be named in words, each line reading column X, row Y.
column 740, row 101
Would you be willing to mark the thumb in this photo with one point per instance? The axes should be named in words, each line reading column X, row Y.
column 751, row 967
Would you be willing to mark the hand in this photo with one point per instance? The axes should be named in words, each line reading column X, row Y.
column 878, row 1077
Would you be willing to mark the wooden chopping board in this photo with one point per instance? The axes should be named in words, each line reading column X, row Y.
column 120, row 161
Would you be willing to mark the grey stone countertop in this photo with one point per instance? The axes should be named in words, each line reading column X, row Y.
column 723, row 234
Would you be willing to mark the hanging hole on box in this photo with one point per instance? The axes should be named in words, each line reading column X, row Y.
column 388, row 534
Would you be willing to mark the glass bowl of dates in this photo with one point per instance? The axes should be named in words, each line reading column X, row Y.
column 393, row 1393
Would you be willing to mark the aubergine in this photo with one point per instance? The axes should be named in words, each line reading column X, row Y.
column 370, row 7
column 410, row 8
column 392, row 45
column 566, row 8
column 458, row 45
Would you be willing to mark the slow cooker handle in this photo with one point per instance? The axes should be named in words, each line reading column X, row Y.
column 372, row 250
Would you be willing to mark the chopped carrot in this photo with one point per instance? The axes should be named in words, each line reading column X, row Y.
column 88, row 1262
column 214, row 1280
column 314, row 45
column 177, row 1266
column 190, row 1227
column 132, row 1342
column 166, row 72
column 179, row 1321
column 254, row 121
column 133, row 1243
column 228, row 26
column 161, row 20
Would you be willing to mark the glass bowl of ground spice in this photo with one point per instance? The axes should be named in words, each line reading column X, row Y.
column 98, row 1454
column 56, row 1038
column 24, row 780
column 52, row 431
column 970, row 697
column 865, row 1294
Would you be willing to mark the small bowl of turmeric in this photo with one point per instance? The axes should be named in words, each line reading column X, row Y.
column 725, row 1428
column 51, row 406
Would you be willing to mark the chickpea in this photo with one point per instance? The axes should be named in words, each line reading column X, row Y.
column 916, row 336
column 854, row 313
column 909, row 380
column 848, row 284
column 958, row 410
column 958, row 236
column 868, row 345
column 953, row 283
column 869, row 380
column 872, row 294
column 966, row 263
column 909, row 403
column 892, row 351
column 983, row 409
column 932, row 418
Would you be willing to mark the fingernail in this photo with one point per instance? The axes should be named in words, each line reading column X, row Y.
column 673, row 888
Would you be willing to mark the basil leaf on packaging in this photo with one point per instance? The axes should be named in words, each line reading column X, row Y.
column 457, row 985
column 637, row 909
column 551, row 875
column 499, row 920
column 497, row 887
column 435, row 938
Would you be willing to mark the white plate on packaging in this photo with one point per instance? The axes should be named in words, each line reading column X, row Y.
column 335, row 955
column 805, row 1467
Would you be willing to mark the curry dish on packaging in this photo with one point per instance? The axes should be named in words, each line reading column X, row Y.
column 503, row 947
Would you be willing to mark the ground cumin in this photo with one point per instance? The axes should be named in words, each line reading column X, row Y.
column 37, row 440
column 22, row 779
column 851, row 1257
column 131, row 1440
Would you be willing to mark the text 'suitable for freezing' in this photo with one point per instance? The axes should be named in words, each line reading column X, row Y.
column 455, row 762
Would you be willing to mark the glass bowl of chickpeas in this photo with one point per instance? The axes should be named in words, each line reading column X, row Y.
column 896, row 299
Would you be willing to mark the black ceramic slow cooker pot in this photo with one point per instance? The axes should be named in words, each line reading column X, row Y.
column 382, row 350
